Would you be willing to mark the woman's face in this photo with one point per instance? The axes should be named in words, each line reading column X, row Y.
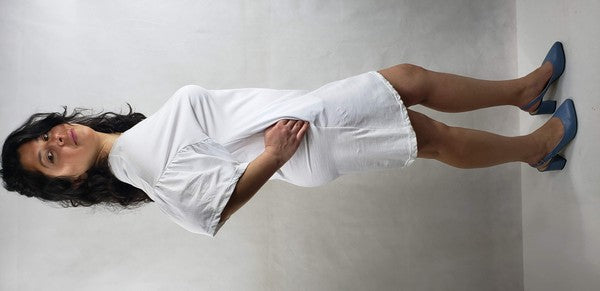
column 67, row 150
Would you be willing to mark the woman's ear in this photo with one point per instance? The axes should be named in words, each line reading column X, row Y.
column 79, row 180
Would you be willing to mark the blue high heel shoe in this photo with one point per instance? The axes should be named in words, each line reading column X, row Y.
column 556, row 56
column 567, row 115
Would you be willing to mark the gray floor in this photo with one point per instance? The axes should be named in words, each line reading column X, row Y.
column 561, row 211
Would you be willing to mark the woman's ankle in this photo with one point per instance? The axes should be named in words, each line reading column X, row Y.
column 533, row 84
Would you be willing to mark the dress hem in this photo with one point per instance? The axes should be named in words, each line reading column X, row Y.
column 413, row 135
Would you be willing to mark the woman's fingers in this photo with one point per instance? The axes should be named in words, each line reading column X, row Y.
column 287, row 123
column 303, row 129
column 295, row 126
column 291, row 122
column 298, row 124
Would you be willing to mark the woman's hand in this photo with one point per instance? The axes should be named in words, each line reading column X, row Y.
column 283, row 138
column 281, row 141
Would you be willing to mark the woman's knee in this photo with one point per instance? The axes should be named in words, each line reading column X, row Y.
column 409, row 81
column 430, row 134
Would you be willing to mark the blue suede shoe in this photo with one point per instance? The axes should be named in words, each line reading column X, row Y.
column 556, row 56
column 567, row 115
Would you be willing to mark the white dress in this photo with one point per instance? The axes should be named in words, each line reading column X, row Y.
column 189, row 155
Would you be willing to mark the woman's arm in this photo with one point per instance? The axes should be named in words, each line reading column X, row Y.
column 281, row 142
column 256, row 175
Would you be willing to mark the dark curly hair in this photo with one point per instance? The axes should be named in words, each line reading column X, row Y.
column 100, row 186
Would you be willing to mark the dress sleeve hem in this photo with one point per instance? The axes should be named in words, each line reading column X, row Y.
column 216, row 224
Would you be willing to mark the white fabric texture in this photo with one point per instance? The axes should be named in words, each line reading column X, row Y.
column 189, row 155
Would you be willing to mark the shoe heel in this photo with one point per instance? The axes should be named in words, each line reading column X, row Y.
column 546, row 107
column 556, row 164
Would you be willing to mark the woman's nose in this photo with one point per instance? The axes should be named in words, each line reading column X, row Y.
column 59, row 138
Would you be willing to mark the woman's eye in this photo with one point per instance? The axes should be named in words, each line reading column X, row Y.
column 44, row 136
column 50, row 157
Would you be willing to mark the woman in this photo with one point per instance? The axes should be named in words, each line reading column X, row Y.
column 205, row 153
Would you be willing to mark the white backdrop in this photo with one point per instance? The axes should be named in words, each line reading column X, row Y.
column 427, row 227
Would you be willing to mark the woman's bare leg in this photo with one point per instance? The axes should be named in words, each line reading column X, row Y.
column 469, row 148
column 464, row 147
column 453, row 93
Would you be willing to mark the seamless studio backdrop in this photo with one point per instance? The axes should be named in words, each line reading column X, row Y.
column 426, row 227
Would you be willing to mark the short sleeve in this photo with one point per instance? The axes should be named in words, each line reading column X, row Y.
column 197, row 184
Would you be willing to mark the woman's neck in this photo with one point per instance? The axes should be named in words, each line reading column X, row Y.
column 108, row 139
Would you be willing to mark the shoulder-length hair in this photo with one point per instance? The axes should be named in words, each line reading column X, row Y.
column 100, row 186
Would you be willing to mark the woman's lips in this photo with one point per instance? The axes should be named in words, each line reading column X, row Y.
column 73, row 136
